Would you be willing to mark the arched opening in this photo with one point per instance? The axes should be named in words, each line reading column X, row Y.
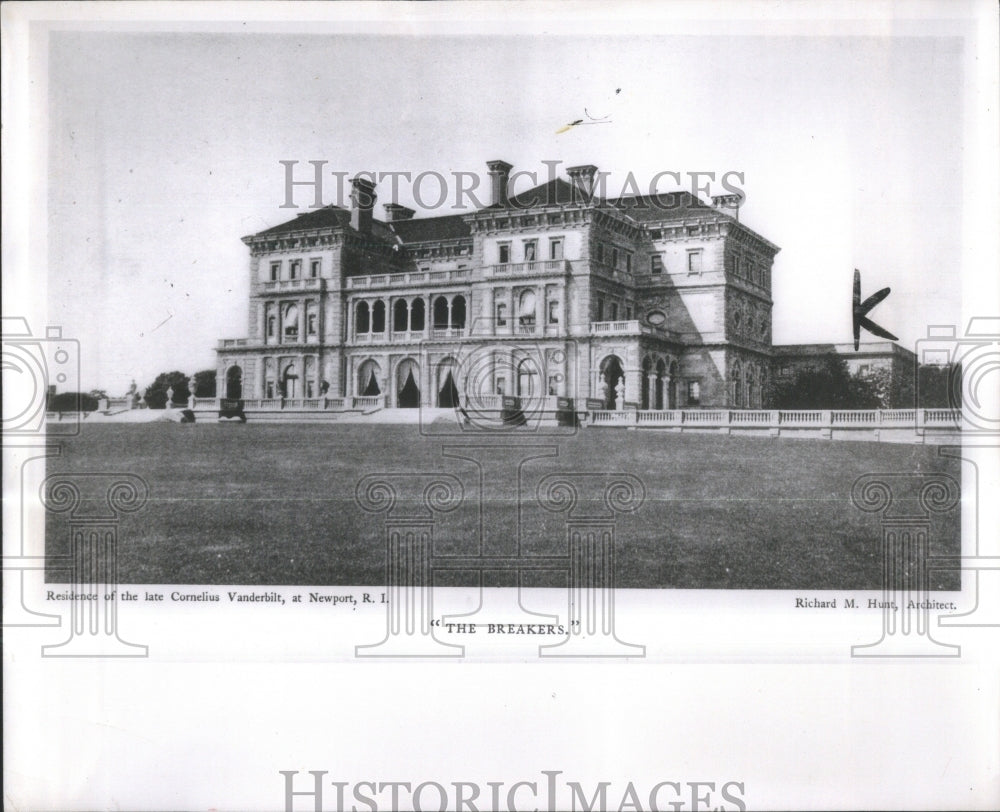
column 417, row 315
column 362, row 320
column 661, row 384
column 612, row 377
column 647, row 367
column 378, row 317
column 234, row 383
column 458, row 312
column 750, row 389
column 526, row 309
column 440, row 313
column 368, row 378
column 736, row 383
column 290, row 323
column 528, row 379
column 289, row 382
column 399, row 324
column 447, row 392
column 407, row 389
column 672, row 385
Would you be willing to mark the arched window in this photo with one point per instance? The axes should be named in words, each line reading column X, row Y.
column 417, row 315
column 458, row 312
column 362, row 320
column 440, row 313
column 291, row 323
column 526, row 308
column 368, row 374
column 378, row 317
column 399, row 324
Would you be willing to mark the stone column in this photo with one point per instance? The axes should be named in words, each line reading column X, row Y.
column 652, row 385
column 906, row 502
column 94, row 504
column 591, row 502
column 409, row 502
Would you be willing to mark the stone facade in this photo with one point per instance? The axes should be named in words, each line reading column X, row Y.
column 647, row 302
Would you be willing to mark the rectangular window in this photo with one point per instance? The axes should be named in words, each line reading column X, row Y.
column 270, row 326
column 614, row 311
column 504, row 252
column 294, row 267
column 530, row 250
column 628, row 261
column 600, row 309
column 656, row 264
column 553, row 312
column 614, row 257
column 310, row 389
column 628, row 313
column 314, row 268
column 600, row 252
column 311, row 324
column 694, row 393
column 694, row 261
column 275, row 271
column 556, row 248
column 501, row 315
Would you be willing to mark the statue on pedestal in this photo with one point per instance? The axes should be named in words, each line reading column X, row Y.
column 170, row 397
column 133, row 398
column 620, row 394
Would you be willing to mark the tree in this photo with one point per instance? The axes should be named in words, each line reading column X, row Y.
column 71, row 402
column 204, row 384
column 935, row 388
column 831, row 386
column 156, row 393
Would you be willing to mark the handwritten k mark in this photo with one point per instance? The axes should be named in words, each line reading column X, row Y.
column 861, row 312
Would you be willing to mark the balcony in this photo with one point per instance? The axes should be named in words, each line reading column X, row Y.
column 527, row 268
column 632, row 327
column 397, row 280
column 408, row 337
column 293, row 285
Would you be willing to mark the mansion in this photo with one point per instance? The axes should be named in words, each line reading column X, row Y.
column 643, row 302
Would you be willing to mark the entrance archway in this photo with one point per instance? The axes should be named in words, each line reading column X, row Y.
column 289, row 382
column 368, row 379
column 612, row 376
column 647, row 367
column 407, row 390
column 447, row 392
column 234, row 383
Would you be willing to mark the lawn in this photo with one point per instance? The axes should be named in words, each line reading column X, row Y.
column 275, row 504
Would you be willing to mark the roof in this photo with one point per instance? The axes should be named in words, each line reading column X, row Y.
column 327, row 217
column 660, row 207
column 448, row 227
column 865, row 348
column 425, row 229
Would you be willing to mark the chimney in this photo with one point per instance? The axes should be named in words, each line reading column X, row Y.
column 363, row 199
column 728, row 204
column 394, row 212
column 499, row 178
column 583, row 179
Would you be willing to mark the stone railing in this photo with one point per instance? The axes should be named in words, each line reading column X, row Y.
column 359, row 403
column 394, row 280
column 776, row 420
column 283, row 285
column 522, row 268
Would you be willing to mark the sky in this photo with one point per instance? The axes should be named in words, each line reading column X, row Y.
column 164, row 150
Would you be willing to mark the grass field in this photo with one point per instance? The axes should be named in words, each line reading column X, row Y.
column 274, row 504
